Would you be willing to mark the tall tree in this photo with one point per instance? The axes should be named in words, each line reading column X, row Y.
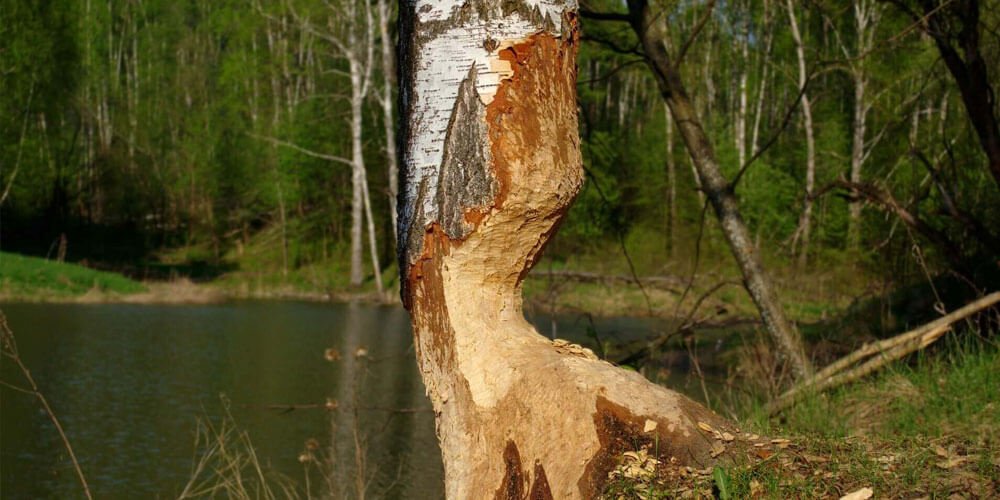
column 646, row 20
column 804, row 231
column 866, row 17
column 352, row 37
column 491, row 162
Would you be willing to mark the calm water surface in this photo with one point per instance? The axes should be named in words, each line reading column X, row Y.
column 129, row 382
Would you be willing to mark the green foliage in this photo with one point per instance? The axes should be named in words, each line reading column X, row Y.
column 152, row 120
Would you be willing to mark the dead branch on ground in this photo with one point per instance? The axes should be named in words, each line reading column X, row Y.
column 874, row 356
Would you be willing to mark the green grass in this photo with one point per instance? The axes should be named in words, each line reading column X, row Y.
column 23, row 277
column 927, row 427
column 255, row 269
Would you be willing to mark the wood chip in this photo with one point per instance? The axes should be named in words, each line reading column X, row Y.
column 705, row 427
column 728, row 437
column 650, row 426
column 718, row 449
column 951, row 463
column 862, row 494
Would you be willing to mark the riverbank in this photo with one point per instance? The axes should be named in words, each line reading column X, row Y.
column 711, row 298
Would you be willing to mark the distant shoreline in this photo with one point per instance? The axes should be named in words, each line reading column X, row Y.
column 187, row 292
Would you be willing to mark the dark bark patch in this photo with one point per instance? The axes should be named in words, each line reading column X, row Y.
column 540, row 489
column 512, row 487
column 620, row 430
column 466, row 183
column 431, row 312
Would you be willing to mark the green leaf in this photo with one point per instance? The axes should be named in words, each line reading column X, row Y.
column 723, row 483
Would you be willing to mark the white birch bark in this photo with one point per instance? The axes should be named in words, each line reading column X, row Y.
column 804, row 230
column 741, row 114
column 671, row 182
column 765, row 65
column 388, row 117
column 866, row 15
column 352, row 37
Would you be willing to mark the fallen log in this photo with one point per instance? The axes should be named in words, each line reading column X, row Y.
column 879, row 354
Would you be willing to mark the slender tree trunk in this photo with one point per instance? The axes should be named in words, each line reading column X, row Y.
column 804, row 230
column 491, row 164
column 764, row 74
column 372, row 244
column 858, row 126
column 865, row 18
column 720, row 194
column 282, row 213
column 357, row 177
column 706, row 116
column 741, row 115
column 388, row 121
column 671, row 183
column 359, row 53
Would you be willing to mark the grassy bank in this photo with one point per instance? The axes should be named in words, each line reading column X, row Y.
column 929, row 428
column 37, row 279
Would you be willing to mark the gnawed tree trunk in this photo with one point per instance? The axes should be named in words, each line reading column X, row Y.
column 491, row 163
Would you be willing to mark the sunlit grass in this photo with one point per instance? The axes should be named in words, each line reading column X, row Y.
column 23, row 277
column 929, row 426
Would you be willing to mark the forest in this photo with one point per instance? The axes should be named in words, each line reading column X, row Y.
column 233, row 134
column 257, row 149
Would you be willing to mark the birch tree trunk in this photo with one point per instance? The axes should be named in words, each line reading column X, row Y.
column 803, row 232
column 866, row 15
column 359, row 51
column 388, row 113
column 741, row 115
column 491, row 163
column 671, row 182
column 765, row 64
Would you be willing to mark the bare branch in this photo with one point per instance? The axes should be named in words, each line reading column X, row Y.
column 307, row 152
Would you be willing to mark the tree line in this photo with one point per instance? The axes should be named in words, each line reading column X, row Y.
column 848, row 130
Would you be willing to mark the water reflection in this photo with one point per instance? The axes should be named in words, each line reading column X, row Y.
column 129, row 382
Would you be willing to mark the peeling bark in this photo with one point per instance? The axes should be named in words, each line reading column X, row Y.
column 491, row 163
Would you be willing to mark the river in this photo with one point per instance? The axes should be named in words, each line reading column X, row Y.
column 129, row 383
